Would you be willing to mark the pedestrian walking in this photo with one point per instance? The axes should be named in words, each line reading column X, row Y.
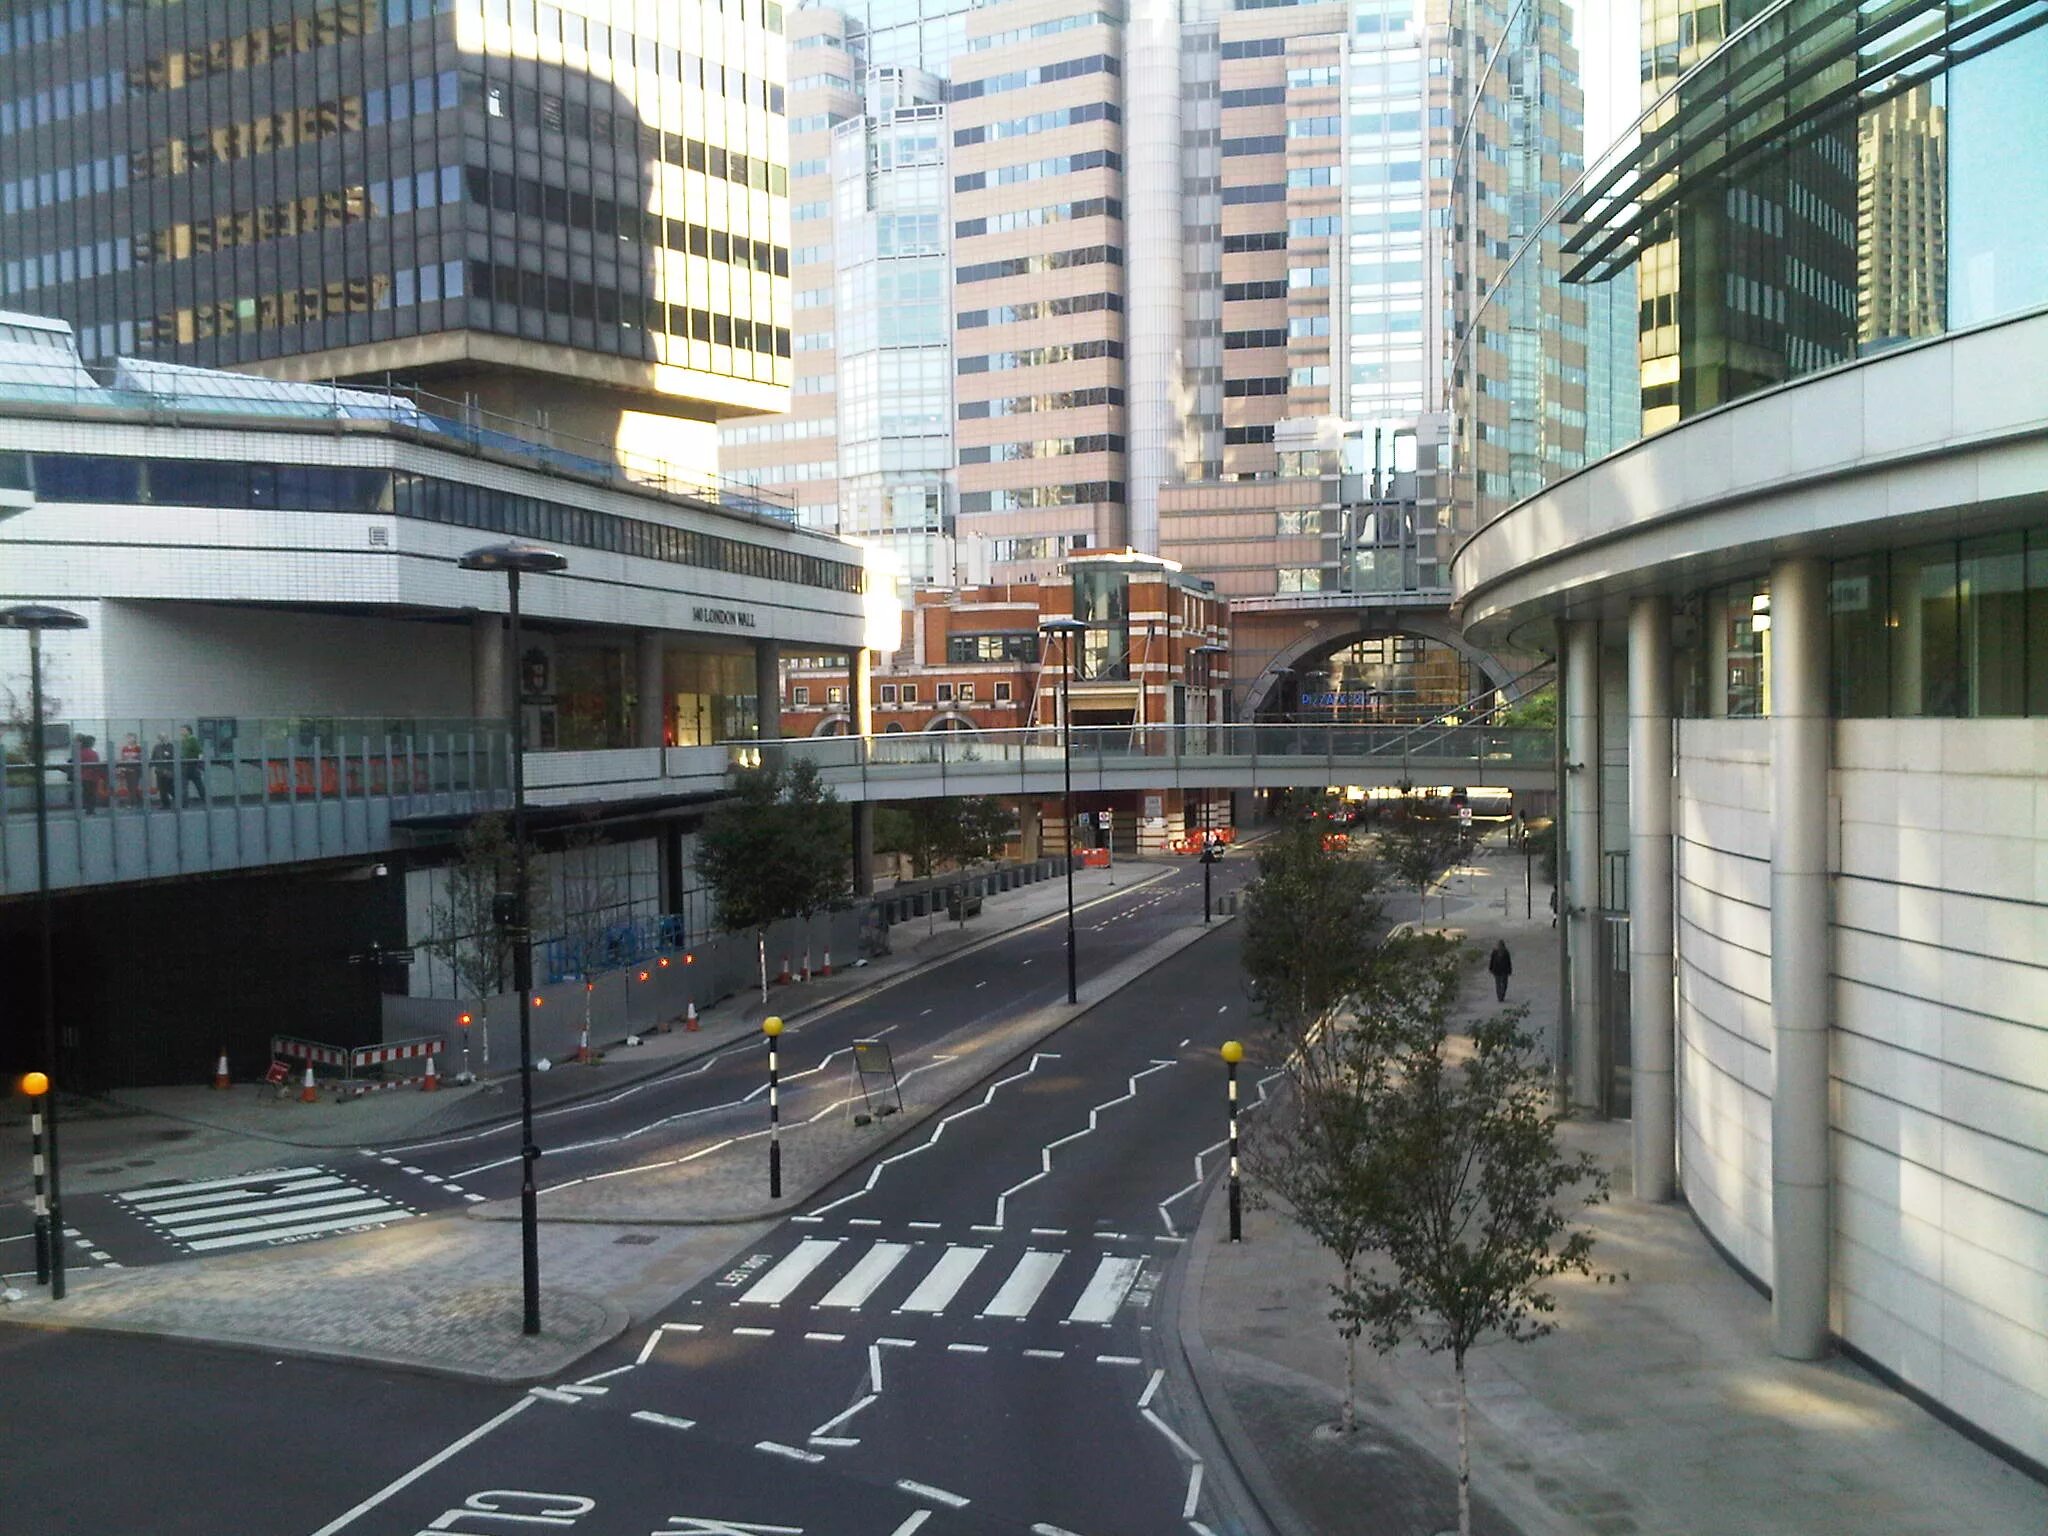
column 194, row 777
column 92, row 773
column 1502, row 964
column 163, row 758
column 128, row 770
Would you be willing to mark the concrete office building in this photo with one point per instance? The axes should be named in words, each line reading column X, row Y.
column 1072, row 276
column 1803, row 631
column 574, row 215
column 288, row 700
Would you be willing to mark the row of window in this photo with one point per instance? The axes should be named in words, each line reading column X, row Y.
column 1040, row 122
column 75, row 98
column 1237, row 340
column 1040, row 309
column 1256, row 192
column 1263, row 144
column 249, row 313
column 1269, row 289
column 252, row 50
column 1255, row 48
column 1044, row 74
column 1045, row 29
column 1034, row 218
column 1044, row 261
column 506, row 193
column 1055, row 400
column 1035, row 357
column 1037, row 170
column 1011, row 645
column 1043, row 448
column 1255, row 240
column 1257, row 96
column 1258, row 434
column 1237, row 389
column 528, row 289
column 34, row 24
column 277, row 487
column 1033, row 497
column 46, row 189
column 299, row 216
column 524, row 107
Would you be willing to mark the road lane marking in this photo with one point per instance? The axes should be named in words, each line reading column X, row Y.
column 938, row 1288
column 795, row 1267
column 1050, row 1530
column 400, row 1484
column 667, row 1421
column 912, row 1523
column 968, row 1349
column 154, row 1197
column 1048, row 1231
column 863, row 1221
column 1045, row 1354
column 1118, row 1360
column 867, row 1276
column 585, row 1389
column 1094, row 1120
column 755, row 1333
column 1020, row 1292
column 1151, row 1389
column 923, row 1226
column 776, row 1448
column 838, row 1419
column 1187, row 1508
column 306, row 1229
column 875, row 1366
column 1111, row 1282
column 927, row 1491
column 549, row 1394
column 1166, row 1429
column 826, row 1338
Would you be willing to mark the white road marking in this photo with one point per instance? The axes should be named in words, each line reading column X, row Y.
column 837, row 1442
column 1151, row 1389
column 911, row 1523
column 927, row 1491
column 1166, row 1429
column 1187, row 1508
column 866, row 1277
column 363, row 1218
column 897, row 1343
column 647, row 1349
column 1184, row 1044
column 1020, row 1292
column 1200, row 1529
column 399, row 1485
column 1048, row 1231
column 151, row 1202
column 863, row 1221
column 1118, row 1360
column 683, row 1327
column 826, row 1338
column 916, row 1226
column 585, row 1389
column 755, row 1333
column 968, row 1349
column 791, row 1271
column 549, row 1394
column 926, row 1011
column 838, row 1419
column 1111, row 1282
column 807, row 1220
column 1050, row 1530
column 979, row 985
column 1224, row 1009
column 667, row 1421
column 938, row 1288
column 775, row 1448
column 1094, row 1119
column 875, row 1366
column 1045, row 1354
column 1202, row 1157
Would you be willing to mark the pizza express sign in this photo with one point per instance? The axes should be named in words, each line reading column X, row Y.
column 723, row 618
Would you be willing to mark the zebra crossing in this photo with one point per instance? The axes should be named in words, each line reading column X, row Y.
column 949, row 1280
column 255, row 1209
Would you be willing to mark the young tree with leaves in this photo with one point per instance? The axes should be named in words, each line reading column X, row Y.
column 590, row 908
column 1308, row 922
column 1459, row 1159
column 465, row 932
column 1419, row 836
column 778, row 848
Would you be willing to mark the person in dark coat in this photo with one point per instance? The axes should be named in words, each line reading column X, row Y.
column 1502, row 964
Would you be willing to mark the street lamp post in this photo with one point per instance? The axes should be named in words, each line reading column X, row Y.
column 772, row 1028
column 1208, row 651
column 35, row 618
column 1233, row 1053
column 516, row 560
column 1067, row 629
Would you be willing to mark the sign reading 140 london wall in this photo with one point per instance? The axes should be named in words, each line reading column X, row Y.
column 727, row 618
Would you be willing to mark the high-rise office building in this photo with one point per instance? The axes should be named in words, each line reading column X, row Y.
column 1192, row 276
column 574, row 214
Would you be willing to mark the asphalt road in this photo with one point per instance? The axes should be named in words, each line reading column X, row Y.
column 962, row 1335
column 684, row 1110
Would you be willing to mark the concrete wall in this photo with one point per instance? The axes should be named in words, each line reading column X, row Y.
column 185, row 659
column 1939, row 1071
column 1724, row 981
column 1940, row 1062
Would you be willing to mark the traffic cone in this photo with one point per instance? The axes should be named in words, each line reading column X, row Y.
column 309, row 1093
column 826, row 969
column 221, row 1079
column 583, row 1046
column 782, row 980
column 690, row 1019
column 431, row 1083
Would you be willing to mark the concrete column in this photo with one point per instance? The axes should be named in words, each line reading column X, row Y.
column 1578, row 905
column 863, row 848
column 1652, row 1021
column 768, row 689
column 1800, row 953
column 862, row 682
column 650, row 714
column 490, row 682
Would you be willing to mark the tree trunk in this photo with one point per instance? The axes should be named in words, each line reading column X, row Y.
column 483, row 1020
column 761, row 949
column 1464, row 1449
column 1350, row 1366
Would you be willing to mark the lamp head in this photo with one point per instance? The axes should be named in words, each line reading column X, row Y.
column 527, row 559
column 39, row 616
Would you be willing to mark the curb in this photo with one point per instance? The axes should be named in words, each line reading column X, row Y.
column 583, row 1095
column 1133, row 970
column 616, row 1321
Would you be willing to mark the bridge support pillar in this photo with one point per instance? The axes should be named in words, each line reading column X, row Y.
column 768, row 690
column 1579, row 902
column 1652, row 1020
column 650, row 708
column 863, row 848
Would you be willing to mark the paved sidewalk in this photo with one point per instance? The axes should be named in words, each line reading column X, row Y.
column 1657, row 1408
column 184, row 1133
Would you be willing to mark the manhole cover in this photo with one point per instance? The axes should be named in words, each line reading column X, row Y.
column 178, row 1135
column 633, row 1239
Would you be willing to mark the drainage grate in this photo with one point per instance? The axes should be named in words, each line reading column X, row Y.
column 633, row 1239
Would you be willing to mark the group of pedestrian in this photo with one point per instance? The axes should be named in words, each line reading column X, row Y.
column 165, row 759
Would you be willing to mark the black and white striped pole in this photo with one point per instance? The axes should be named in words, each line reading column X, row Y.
column 37, row 1086
column 1233, row 1053
column 772, row 1028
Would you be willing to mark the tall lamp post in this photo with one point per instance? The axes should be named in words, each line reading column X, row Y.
column 1068, row 630
column 1208, row 651
column 516, row 560
column 35, row 618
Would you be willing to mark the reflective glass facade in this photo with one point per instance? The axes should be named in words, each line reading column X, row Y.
column 224, row 184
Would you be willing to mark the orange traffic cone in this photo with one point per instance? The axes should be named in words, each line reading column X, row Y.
column 431, row 1083
column 826, row 969
column 309, row 1093
column 690, row 1019
column 783, row 979
column 221, row 1079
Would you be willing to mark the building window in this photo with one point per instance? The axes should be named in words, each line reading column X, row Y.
column 888, row 693
column 835, row 695
column 966, row 692
column 800, row 695
column 945, row 693
column 910, row 693
column 1002, row 693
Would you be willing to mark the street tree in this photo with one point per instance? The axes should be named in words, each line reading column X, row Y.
column 778, row 848
column 465, row 934
column 1459, row 1163
column 1418, row 836
column 1308, row 921
column 591, row 906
